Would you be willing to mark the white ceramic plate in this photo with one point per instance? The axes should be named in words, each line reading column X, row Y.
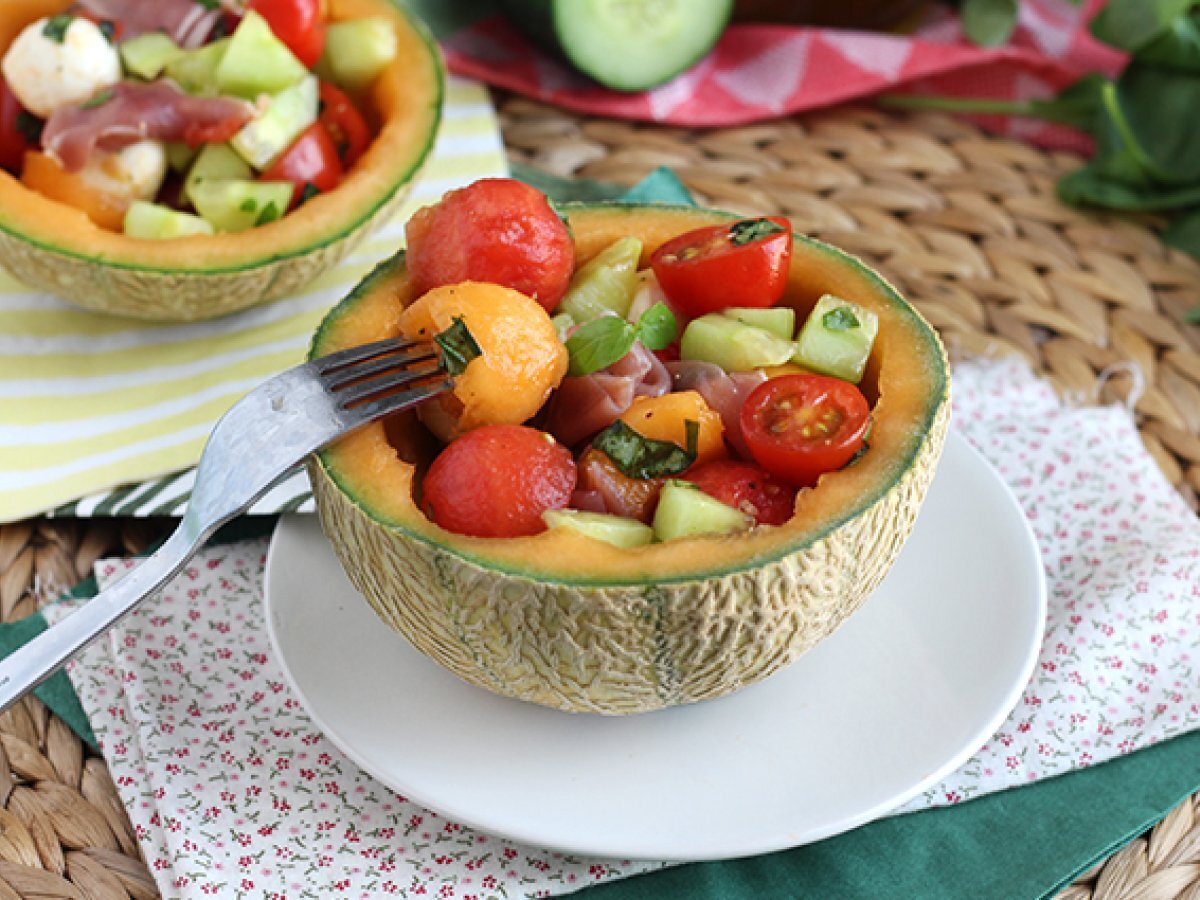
column 897, row 698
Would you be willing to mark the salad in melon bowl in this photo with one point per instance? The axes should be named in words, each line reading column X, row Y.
column 681, row 449
column 182, row 159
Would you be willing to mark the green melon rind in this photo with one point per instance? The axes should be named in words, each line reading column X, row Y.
column 185, row 294
column 918, row 444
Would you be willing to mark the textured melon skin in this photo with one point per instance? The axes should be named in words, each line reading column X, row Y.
column 577, row 641
column 618, row 650
column 52, row 248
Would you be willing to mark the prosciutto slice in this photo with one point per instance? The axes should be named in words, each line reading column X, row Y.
column 724, row 392
column 136, row 112
column 583, row 405
column 187, row 22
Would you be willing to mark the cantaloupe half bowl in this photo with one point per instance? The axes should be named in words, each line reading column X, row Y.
column 53, row 247
column 576, row 624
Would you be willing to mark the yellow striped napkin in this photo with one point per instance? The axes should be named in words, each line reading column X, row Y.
column 88, row 402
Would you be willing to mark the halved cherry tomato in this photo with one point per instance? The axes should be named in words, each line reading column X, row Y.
column 798, row 427
column 496, row 230
column 745, row 486
column 13, row 141
column 344, row 123
column 311, row 159
column 43, row 174
column 497, row 480
column 298, row 23
column 740, row 264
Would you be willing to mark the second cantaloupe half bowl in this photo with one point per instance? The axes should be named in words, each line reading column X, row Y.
column 575, row 624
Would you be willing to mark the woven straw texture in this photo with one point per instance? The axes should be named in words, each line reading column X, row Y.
column 965, row 224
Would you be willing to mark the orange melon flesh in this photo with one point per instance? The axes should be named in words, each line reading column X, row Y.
column 907, row 371
column 38, row 233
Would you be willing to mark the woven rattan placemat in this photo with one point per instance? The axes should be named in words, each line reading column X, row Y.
column 965, row 224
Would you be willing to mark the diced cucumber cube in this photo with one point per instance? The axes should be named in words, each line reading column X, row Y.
column 563, row 323
column 231, row 205
column 836, row 339
column 733, row 345
column 180, row 156
column 779, row 320
column 196, row 70
column 148, row 54
column 686, row 511
column 605, row 283
column 217, row 162
column 257, row 62
column 617, row 530
column 356, row 51
column 149, row 220
column 262, row 140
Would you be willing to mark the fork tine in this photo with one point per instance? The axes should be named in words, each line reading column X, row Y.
column 326, row 365
column 347, row 375
column 389, row 381
column 397, row 402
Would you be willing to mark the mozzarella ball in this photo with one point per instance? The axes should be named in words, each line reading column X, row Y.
column 45, row 73
column 134, row 173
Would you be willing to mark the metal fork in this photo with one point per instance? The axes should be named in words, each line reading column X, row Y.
column 262, row 438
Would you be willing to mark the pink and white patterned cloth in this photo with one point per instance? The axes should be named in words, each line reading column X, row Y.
column 233, row 790
column 759, row 72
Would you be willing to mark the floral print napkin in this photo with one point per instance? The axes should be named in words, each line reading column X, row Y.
column 234, row 792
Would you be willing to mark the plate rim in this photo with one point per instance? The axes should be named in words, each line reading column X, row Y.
column 891, row 803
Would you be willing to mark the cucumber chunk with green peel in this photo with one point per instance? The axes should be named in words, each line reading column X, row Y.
column 616, row 530
column 195, row 71
column 147, row 55
column 257, row 62
column 733, row 345
column 356, row 52
column 180, row 156
column 262, row 140
column 836, row 339
column 563, row 323
column 233, row 205
column 779, row 320
column 627, row 45
column 216, row 162
column 605, row 283
column 150, row 220
column 686, row 511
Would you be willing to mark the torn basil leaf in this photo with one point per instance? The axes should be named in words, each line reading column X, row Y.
column 637, row 456
column 56, row 27
column 458, row 346
column 752, row 230
column 656, row 327
column 598, row 344
column 840, row 318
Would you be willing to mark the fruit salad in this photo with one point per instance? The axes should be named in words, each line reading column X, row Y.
column 188, row 117
column 634, row 403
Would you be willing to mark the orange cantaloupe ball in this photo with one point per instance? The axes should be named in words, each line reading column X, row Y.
column 664, row 419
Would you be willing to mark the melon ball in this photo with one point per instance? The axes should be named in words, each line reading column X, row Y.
column 54, row 62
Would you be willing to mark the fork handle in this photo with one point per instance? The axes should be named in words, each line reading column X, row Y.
column 30, row 665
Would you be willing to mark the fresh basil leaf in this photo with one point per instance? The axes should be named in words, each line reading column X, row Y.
column 210, row 5
column 56, row 27
column 656, row 327
column 269, row 213
column 248, row 205
column 989, row 23
column 98, row 100
column 458, row 346
column 637, row 456
column 598, row 344
column 309, row 191
column 107, row 28
column 752, row 230
column 840, row 318
column 30, row 127
column 691, row 430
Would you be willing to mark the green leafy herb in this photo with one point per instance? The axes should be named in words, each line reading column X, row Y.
column 309, row 191
column 637, row 456
column 458, row 346
column 56, row 27
column 840, row 318
column 210, row 5
column 691, row 431
column 989, row 23
column 30, row 127
column 601, row 342
column 248, row 205
column 752, row 230
column 98, row 100
column 108, row 29
column 269, row 213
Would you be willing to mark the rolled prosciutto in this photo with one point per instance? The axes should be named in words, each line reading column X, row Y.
column 724, row 392
column 186, row 22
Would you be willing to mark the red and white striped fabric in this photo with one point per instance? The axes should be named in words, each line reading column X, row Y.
column 759, row 72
